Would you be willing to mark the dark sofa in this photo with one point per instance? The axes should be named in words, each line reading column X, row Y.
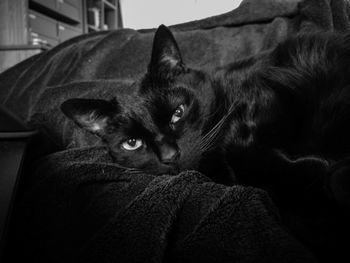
column 76, row 205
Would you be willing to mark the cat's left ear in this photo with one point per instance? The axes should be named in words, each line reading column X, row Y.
column 90, row 114
column 166, row 57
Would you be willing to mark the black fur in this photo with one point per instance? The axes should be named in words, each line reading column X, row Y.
column 147, row 114
column 295, row 106
column 278, row 122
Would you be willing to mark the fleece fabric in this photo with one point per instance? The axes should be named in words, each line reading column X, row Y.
column 83, row 208
column 76, row 205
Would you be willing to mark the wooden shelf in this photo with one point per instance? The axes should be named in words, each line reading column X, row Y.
column 23, row 47
column 103, row 15
column 109, row 5
column 51, row 22
column 59, row 10
column 93, row 28
column 31, row 26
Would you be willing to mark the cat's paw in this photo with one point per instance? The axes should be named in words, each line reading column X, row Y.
column 339, row 183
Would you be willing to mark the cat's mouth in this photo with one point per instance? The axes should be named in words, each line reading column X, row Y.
column 171, row 169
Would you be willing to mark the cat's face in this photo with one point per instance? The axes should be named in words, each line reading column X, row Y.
column 164, row 126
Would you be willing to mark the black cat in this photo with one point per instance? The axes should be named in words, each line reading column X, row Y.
column 278, row 122
column 167, row 125
column 290, row 126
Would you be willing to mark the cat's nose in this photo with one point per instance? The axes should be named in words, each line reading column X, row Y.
column 168, row 153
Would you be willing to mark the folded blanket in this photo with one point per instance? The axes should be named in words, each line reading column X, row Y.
column 78, row 206
column 82, row 208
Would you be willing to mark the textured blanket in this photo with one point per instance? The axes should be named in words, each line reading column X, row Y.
column 82, row 208
column 77, row 206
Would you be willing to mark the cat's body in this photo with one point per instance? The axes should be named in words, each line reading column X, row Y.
column 292, row 130
column 296, row 98
column 276, row 122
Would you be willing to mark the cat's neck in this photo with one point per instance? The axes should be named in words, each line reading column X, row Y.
column 244, row 101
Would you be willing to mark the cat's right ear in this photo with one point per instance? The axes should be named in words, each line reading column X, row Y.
column 166, row 57
column 90, row 114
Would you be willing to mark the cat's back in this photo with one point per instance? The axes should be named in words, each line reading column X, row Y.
column 316, row 70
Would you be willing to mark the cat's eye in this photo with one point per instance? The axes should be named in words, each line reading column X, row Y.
column 178, row 113
column 132, row 144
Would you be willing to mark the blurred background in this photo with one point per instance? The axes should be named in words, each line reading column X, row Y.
column 148, row 14
column 28, row 27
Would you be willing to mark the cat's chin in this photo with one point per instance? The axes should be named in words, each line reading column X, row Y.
column 166, row 169
column 169, row 170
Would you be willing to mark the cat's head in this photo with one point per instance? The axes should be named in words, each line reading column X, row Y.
column 164, row 126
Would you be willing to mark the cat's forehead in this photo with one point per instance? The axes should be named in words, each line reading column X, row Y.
column 133, row 104
column 190, row 79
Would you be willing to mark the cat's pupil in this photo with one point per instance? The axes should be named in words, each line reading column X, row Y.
column 132, row 142
column 178, row 113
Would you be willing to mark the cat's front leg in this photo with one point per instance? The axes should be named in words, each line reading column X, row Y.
column 333, row 180
column 338, row 183
column 291, row 182
column 300, row 180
